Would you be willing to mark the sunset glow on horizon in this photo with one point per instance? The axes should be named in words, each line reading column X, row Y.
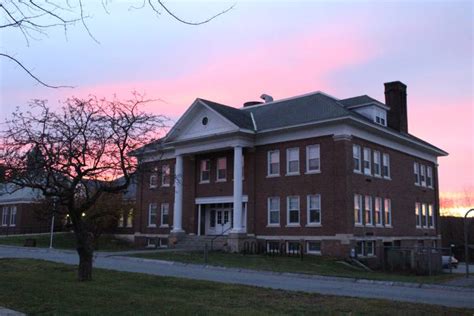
column 284, row 49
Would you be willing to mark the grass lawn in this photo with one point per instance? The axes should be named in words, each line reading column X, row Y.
column 309, row 265
column 45, row 288
column 67, row 241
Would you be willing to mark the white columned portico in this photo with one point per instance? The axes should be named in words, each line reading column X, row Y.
column 237, row 214
column 178, row 196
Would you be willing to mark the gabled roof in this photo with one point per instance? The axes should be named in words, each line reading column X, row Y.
column 300, row 110
column 362, row 99
column 12, row 193
column 240, row 118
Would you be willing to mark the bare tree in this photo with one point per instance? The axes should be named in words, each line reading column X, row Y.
column 75, row 156
column 33, row 19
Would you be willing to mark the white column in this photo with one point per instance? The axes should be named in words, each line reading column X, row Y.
column 237, row 190
column 178, row 196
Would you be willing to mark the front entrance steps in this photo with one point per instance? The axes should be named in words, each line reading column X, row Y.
column 193, row 242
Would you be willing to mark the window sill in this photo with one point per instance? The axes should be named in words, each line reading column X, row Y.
column 369, row 225
column 292, row 225
column 272, row 175
column 388, row 226
column 313, row 172
column 358, row 225
column 379, row 225
column 314, row 225
column 358, row 171
column 153, row 187
column 292, row 174
column 204, row 182
column 387, row 178
column 315, row 253
column 151, row 226
column 367, row 174
column 222, row 180
column 378, row 176
column 165, row 185
column 164, row 226
column 273, row 226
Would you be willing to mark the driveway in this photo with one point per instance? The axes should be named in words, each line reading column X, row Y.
column 437, row 295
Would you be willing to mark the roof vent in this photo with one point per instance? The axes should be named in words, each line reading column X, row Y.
column 266, row 97
column 252, row 103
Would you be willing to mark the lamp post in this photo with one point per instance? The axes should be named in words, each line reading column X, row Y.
column 466, row 246
column 52, row 224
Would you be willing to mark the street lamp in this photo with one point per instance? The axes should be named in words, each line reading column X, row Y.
column 466, row 247
column 52, row 224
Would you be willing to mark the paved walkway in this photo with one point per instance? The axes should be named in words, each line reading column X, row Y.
column 9, row 312
column 437, row 295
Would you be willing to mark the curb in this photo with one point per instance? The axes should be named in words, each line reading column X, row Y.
column 303, row 276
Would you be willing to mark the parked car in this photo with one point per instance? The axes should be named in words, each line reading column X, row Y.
column 449, row 261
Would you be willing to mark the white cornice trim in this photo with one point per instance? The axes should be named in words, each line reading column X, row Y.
column 219, row 199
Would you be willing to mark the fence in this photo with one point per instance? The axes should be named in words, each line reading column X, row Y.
column 419, row 260
column 28, row 230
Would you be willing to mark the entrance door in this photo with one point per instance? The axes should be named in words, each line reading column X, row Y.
column 219, row 221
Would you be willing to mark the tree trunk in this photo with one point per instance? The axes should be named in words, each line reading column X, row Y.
column 85, row 250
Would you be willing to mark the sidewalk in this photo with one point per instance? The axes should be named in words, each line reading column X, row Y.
column 9, row 312
column 415, row 293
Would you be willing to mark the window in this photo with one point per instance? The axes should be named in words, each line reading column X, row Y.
column 205, row 171
column 424, row 215
column 5, row 216
column 365, row 248
column 313, row 247
column 416, row 170
column 358, row 209
column 360, row 248
column 314, row 209
column 422, row 176
column 367, row 161
column 212, row 221
column 381, row 117
column 388, row 212
column 293, row 247
column 377, row 163
column 312, row 159
column 356, row 155
column 273, row 211
column 368, row 210
column 129, row 222
column 221, row 169
column 273, row 247
column 165, row 175
column 293, row 216
column 153, row 181
column 13, row 216
column 429, row 177
column 418, row 214
column 378, row 211
column 165, row 210
column 152, row 210
column 273, row 163
column 386, row 166
column 293, row 161
column 430, row 216
column 121, row 221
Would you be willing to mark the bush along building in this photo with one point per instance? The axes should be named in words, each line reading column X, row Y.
column 333, row 176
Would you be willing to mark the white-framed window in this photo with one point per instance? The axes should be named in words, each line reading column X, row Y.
column 221, row 174
column 314, row 209
column 424, row 215
column 165, row 211
column 273, row 206
column 5, row 216
column 429, row 177
column 313, row 162
column 357, row 209
column 368, row 210
column 430, row 216
column 313, row 247
column 360, row 249
column 13, row 216
column 153, row 181
column 273, row 247
column 273, row 164
column 416, row 171
column 381, row 117
column 165, row 175
column 293, row 211
column 292, row 161
column 205, row 171
column 121, row 221
column 293, row 247
column 388, row 212
column 356, row 154
column 365, row 248
column 418, row 214
column 378, row 211
column 422, row 175
column 377, row 163
column 367, row 161
column 386, row 166
column 152, row 214
column 129, row 222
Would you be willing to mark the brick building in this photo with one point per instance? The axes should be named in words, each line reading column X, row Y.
column 329, row 174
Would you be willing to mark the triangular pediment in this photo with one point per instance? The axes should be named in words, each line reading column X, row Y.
column 200, row 121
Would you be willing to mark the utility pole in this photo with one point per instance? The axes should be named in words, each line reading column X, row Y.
column 466, row 246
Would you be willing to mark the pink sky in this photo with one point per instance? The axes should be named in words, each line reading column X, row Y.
column 280, row 48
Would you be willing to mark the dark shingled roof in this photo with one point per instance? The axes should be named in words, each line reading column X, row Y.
column 362, row 99
column 240, row 118
column 306, row 109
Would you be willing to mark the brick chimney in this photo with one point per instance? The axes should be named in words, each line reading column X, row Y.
column 396, row 99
